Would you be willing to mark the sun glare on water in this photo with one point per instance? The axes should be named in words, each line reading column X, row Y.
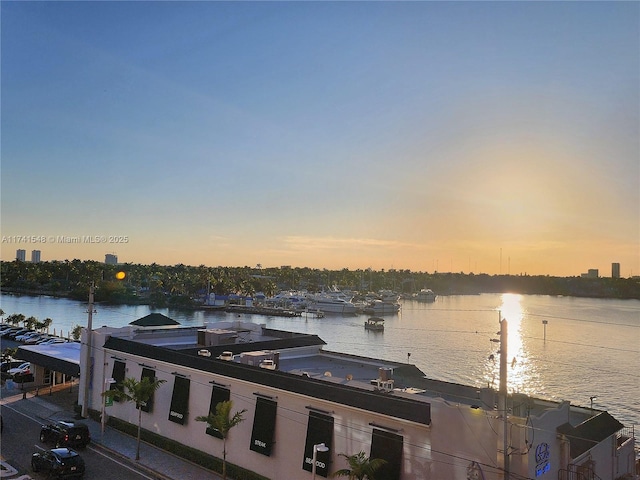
column 518, row 374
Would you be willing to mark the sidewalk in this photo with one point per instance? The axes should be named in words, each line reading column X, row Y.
column 58, row 405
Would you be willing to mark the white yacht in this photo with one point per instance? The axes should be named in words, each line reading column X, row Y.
column 426, row 295
column 333, row 301
column 381, row 307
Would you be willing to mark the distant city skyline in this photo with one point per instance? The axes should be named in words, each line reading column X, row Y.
column 485, row 137
column 112, row 259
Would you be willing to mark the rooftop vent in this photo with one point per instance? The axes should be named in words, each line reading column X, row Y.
column 268, row 365
column 226, row 356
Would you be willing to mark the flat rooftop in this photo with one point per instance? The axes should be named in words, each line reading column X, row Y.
column 297, row 354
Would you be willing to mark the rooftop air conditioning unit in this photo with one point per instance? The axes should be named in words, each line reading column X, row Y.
column 268, row 365
column 226, row 356
column 385, row 374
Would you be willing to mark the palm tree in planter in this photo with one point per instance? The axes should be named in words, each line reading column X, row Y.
column 361, row 467
column 223, row 421
column 139, row 392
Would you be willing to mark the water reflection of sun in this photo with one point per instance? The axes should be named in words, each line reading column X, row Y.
column 513, row 312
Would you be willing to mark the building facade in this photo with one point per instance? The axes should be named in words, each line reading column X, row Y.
column 111, row 259
column 296, row 395
column 615, row 270
column 21, row 255
column 35, row 256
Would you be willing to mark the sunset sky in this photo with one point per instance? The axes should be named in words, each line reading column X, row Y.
column 452, row 136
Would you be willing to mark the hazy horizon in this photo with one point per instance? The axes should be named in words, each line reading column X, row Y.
column 484, row 137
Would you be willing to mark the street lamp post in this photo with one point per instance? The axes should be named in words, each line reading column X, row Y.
column 320, row 447
column 107, row 383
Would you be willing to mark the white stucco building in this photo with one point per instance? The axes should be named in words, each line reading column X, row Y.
column 297, row 395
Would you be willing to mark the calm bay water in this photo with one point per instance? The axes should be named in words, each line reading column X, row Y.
column 592, row 346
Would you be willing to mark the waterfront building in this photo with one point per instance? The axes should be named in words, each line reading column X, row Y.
column 591, row 273
column 111, row 259
column 615, row 270
column 298, row 395
column 35, row 256
column 21, row 255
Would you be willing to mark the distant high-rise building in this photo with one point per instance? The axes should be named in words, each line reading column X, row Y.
column 21, row 255
column 35, row 256
column 591, row 273
column 111, row 259
column 615, row 270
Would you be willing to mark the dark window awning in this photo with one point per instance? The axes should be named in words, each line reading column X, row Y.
column 319, row 430
column 150, row 374
column 118, row 373
column 179, row 410
column 387, row 446
column 264, row 425
column 219, row 394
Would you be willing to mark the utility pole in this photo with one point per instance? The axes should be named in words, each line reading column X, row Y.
column 502, row 406
column 86, row 375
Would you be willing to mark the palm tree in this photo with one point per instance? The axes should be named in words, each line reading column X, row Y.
column 76, row 332
column 30, row 322
column 15, row 319
column 223, row 421
column 46, row 323
column 361, row 467
column 139, row 392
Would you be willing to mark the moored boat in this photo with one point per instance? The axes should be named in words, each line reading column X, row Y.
column 332, row 301
column 426, row 295
column 380, row 307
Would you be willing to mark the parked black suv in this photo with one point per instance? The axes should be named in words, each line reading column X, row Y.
column 66, row 433
column 59, row 462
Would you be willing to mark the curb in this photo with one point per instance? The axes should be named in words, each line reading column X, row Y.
column 138, row 465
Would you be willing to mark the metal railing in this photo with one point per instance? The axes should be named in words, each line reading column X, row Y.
column 565, row 474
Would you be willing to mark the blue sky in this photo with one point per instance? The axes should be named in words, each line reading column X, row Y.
column 452, row 136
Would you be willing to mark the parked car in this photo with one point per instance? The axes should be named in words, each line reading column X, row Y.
column 58, row 462
column 14, row 333
column 26, row 336
column 7, row 365
column 33, row 339
column 53, row 340
column 43, row 339
column 5, row 332
column 22, row 369
column 65, row 433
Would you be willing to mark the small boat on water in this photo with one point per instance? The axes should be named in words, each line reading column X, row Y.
column 426, row 295
column 374, row 323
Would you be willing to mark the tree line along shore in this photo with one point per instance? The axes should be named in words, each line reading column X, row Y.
column 184, row 286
